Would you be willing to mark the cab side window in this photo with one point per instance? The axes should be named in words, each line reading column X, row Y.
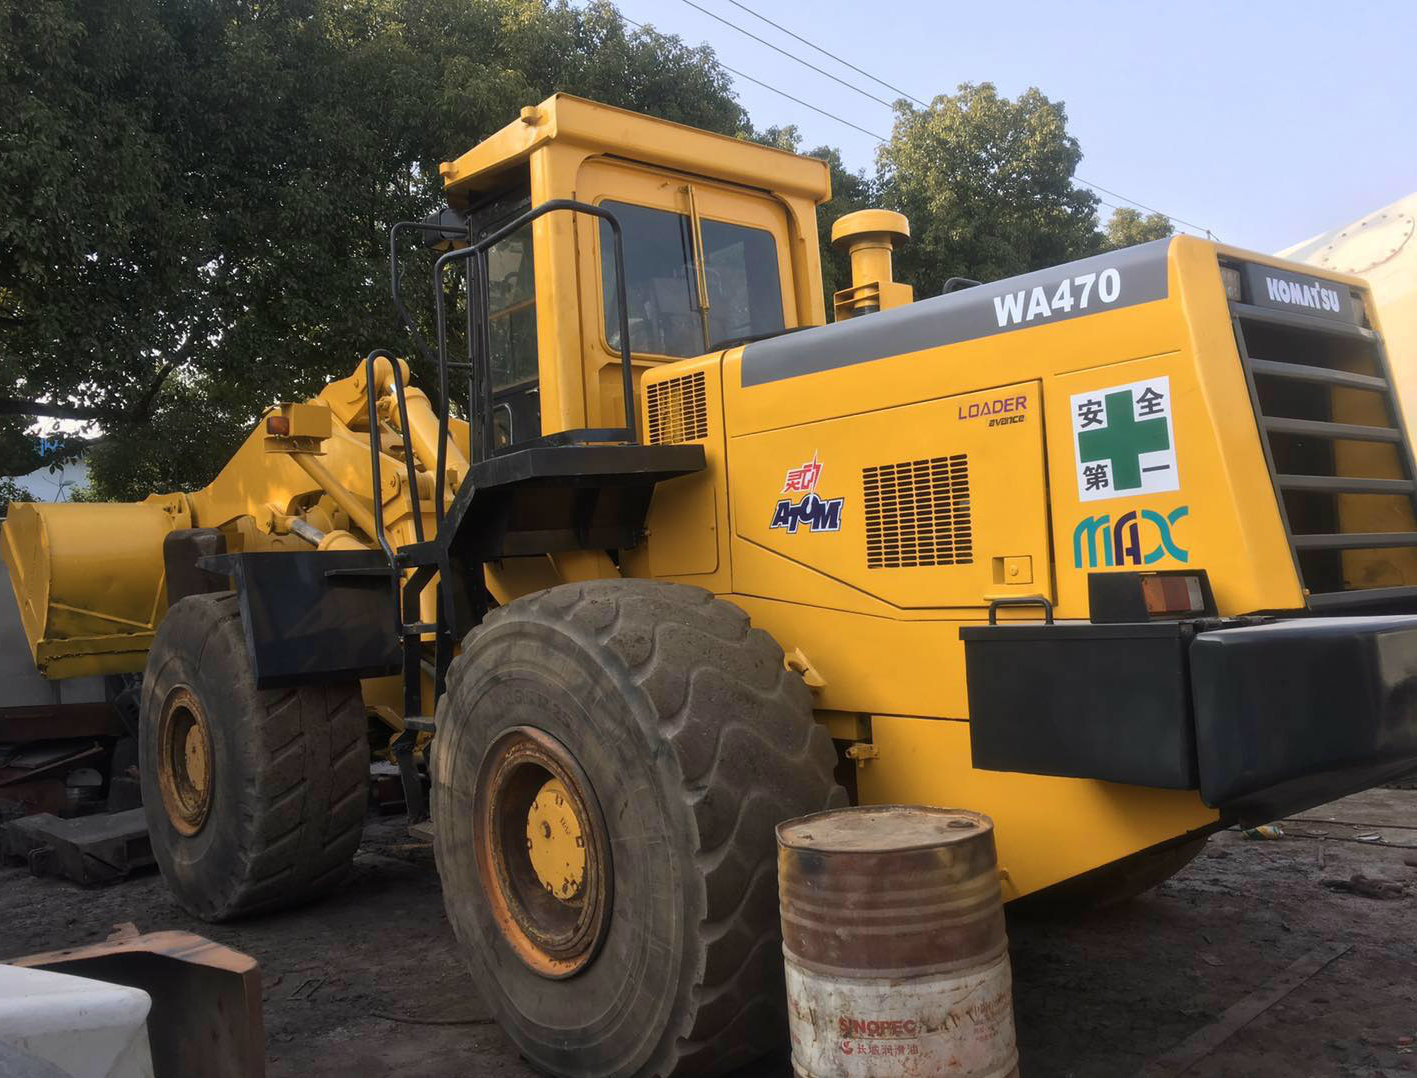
column 744, row 290
column 511, row 289
column 662, row 287
column 511, row 318
column 659, row 281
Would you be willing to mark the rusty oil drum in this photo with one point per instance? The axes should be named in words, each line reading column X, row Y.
column 893, row 935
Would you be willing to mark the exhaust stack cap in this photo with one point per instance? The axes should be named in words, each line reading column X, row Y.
column 870, row 226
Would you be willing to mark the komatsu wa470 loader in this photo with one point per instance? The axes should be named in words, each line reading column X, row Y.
column 1118, row 552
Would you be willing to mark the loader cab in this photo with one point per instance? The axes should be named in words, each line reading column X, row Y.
column 719, row 240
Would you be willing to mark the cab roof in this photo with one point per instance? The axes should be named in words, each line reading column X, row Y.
column 604, row 129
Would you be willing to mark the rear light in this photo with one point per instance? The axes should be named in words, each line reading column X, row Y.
column 1172, row 596
column 1360, row 309
column 1159, row 596
column 1230, row 278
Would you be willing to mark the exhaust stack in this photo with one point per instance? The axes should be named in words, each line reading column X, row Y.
column 869, row 237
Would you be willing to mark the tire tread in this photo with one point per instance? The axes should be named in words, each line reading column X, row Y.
column 301, row 800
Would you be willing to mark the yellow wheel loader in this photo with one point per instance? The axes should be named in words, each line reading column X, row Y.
column 1118, row 552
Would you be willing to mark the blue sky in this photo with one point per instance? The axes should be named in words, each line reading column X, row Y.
column 1264, row 122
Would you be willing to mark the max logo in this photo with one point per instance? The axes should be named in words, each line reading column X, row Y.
column 815, row 513
column 1121, row 543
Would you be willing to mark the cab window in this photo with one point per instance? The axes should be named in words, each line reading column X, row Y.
column 511, row 318
column 662, row 286
column 744, row 290
column 511, row 289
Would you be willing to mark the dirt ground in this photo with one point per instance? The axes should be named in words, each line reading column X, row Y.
column 369, row 982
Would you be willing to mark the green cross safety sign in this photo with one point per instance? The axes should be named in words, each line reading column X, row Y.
column 1125, row 440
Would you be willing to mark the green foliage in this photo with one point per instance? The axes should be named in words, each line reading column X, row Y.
column 197, row 424
column 194, row 194
column 10, row 491
column 1127, row 227
column 986, row 182
column 987, row 185
column 786, row 138
column 19, row 452
column 851, row 191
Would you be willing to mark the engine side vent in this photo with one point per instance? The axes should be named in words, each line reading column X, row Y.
column 917, row 513
column 678, row 409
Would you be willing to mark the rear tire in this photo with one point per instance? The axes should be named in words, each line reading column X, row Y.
column 681, row 741
column 254, row 799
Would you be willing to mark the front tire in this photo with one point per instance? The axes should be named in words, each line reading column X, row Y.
column 254, row 799
column 611, row 760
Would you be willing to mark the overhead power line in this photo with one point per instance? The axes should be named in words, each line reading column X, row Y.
column 784, row 93
column 766, row 86
column 824, row 52
column 873, row 97
column 791, row 56
column 1139, row 205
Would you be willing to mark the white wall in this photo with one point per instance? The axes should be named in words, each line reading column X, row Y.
column 54, row 486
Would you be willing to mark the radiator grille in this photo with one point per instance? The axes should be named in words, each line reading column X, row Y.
column 1337, row 451
column 678, row 409
column 917, row 513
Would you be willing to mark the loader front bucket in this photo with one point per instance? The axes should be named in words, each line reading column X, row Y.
column 89, row 580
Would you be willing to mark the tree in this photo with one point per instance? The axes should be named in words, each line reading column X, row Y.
column 10, row 491
column 194, row 194
column 988, row 186
column 851, row 191
column 1127, row 227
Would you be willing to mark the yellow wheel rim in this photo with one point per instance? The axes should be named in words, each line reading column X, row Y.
column 184, row 761
column 555, row 842
column 543, row 852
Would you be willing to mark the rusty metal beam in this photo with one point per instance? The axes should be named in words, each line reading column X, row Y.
column 206, row 1017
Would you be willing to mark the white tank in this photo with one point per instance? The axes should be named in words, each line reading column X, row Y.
column 83, row 1028
column 1382, row 249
